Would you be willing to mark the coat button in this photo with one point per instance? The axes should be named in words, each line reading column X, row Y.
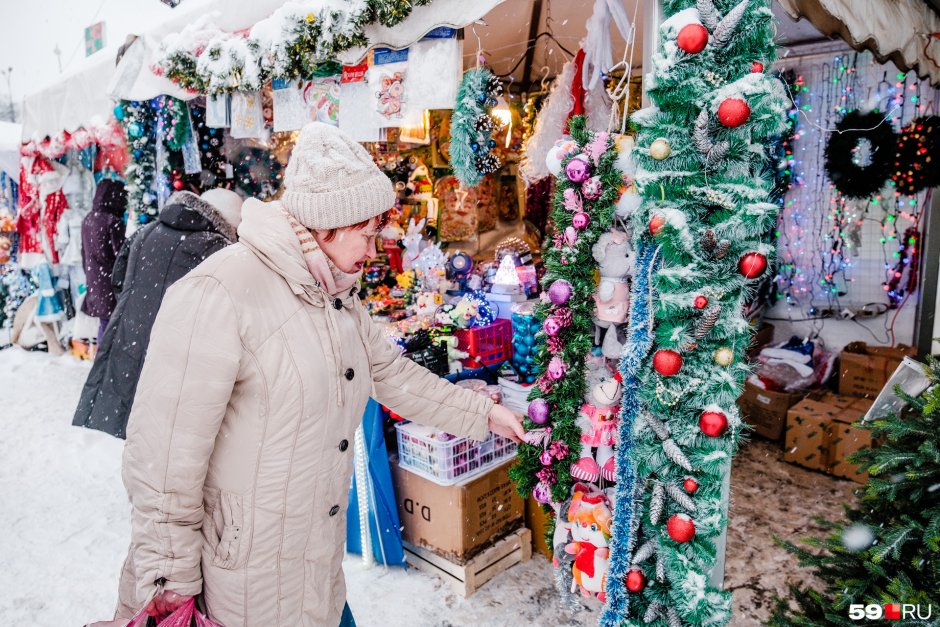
column 349, row 374
column 334, row 510
column 343, row 445
column 337, row 304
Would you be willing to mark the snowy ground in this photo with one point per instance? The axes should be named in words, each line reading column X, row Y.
column 64, row 526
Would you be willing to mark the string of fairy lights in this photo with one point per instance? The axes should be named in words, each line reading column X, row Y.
column 835, row 251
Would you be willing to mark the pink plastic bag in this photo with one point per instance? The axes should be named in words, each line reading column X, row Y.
column 185, row 616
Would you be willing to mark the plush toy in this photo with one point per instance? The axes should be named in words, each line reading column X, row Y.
column 598, row 422
column 427, row 303
column 590, row 518
column 464, row 312
column 419, row 182
column 391, row 236
column 614, row 255
column 454, row 355
column 414, row 243
column 405, row 280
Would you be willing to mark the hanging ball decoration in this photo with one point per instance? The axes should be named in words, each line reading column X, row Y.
column 138, row 154
column 542, row 493
column 757, row 67
column 557, row 369
column 752, row 265
column 723, row 356
column 560, row 291
column 580, row 220
column 692, row 38
column 657, row 223
column 667, row 362
column 660, row 149
column 578, row 169
column 713, row 423
column 690, row 485
column 475, row 147
column 134, row 129
column 680, row 528
column 538, row 411
column 636, row 580
column 733, row 112
column 177, row 184
column 591, row 188
column 700, row 302
column 118, row 113
column 552, row 326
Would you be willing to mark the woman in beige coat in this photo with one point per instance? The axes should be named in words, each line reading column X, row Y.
column 261, row 360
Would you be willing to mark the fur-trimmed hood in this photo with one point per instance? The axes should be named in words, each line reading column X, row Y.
column 185, row 211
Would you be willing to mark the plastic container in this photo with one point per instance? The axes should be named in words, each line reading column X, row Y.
column 446, row 462
column 489, row 345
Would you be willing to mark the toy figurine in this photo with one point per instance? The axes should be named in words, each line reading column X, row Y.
column 590, row 518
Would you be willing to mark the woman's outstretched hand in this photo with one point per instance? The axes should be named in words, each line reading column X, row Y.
column 503, row 422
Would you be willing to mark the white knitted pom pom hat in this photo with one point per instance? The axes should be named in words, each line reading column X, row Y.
column 332, row 182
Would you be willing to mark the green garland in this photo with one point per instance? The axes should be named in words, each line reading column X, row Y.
column 702, row 172
column 471, row 127
column 139, row 121
column 229, row 63
column 576, row 265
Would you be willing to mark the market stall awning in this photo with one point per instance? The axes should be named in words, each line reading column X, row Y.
column 905, row 32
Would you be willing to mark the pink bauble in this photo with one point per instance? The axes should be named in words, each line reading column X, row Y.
column 542, row 493
column 592, row 188
column 552, row 326
column 733, row 112
column 560, row 291
column 538, row 411
column 578, row 169
column 546, row 458
column 580, row 220
column 556, row 368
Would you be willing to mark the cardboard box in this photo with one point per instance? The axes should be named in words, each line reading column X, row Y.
column 537, row 521
column 457, row 521
column 864, row 369
column 844, row 439
column 807, row 434
column 766, row 411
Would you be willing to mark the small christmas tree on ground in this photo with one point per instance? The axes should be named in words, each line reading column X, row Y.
column 888, row 550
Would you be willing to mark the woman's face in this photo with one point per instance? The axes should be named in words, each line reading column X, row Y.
column 351, row 248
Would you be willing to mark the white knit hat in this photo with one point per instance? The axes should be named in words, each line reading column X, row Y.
column 332, row 182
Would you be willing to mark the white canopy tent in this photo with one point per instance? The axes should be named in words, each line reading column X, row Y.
column 10, row 134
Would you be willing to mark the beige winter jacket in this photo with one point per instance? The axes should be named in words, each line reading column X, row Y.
column 239, row 447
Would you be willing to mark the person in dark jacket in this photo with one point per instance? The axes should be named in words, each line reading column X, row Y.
column 187, row 231
column 102, row 237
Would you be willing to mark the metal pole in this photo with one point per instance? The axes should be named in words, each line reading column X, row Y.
column 925, row 320
column 652, row 18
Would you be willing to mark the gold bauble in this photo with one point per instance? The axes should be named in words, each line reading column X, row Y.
column 723, row 356
column 660, row 149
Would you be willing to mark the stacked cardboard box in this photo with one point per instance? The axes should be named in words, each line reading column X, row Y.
column 766, row 411
column 864, row 369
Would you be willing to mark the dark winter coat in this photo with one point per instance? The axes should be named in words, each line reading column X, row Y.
column 186, row 233
column 102, row 238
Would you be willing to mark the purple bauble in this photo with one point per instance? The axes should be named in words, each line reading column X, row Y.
column 542, row 493
column 546, row 458
column 580, row 220
column 591, row 188
column 538, row 411
column 552, row 326
column 560, row 291
column 556, row 368
column 578, row 169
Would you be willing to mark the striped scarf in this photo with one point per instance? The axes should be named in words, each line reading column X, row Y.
column 333, row 280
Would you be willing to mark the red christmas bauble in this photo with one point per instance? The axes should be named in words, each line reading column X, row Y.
column 690, row 485
column 733, row 112
column 656, row 225
column 713, row 423
column 680, row 528
column 752, row 265
column 701, row 302
column 667, row 362
column 636, row 580
column 757, row 67
column 177, row 184
column 692, row 38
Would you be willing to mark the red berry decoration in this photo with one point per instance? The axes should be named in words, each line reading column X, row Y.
column 752, row 265
column 713, row 423
column 636, row 580
column 701, row 302
column 680, row 528
column 656, row 225
column 177, row 184
column 692, row 38
column 667, row 362
column 733, row 112
column 757, row 67
column 690, row 485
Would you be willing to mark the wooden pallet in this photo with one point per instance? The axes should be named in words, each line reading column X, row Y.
column 465, row 579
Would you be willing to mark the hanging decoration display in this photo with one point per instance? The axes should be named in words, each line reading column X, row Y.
column 288, row 45
column 860, row 154
column 706, row 204
column 472, row 126
column 139, row 121
column 917, row 156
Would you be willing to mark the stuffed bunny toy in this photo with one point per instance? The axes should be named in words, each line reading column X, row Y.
column 614, row 256
column 598, row 421
column 414, row 243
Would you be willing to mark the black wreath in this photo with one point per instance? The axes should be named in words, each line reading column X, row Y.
column 855, row 181
column 917, row 160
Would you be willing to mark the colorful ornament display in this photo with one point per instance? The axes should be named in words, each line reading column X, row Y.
column 733, row 112
column 667, row 362
column 680, row 528
column 714, row 424
column 525, row 326
column 752, row 265
column 692, row 38
column 139, row 121
column 470, row 146
column 660, row 149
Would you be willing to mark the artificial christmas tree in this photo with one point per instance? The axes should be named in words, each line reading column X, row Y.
column 888, row 549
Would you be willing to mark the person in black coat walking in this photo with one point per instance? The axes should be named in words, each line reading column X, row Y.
column 187, row 231
column 102, row 237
